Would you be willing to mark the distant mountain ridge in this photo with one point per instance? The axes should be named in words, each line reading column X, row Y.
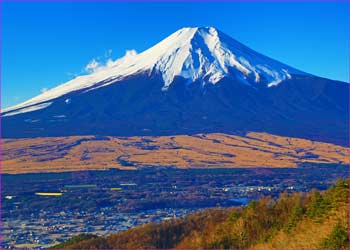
column 196, row 80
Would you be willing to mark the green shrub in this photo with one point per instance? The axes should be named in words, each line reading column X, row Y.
column 338, row 239
column 74, row 240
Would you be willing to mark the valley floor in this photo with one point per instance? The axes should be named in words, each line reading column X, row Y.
column 48, row 208
column 297, row 221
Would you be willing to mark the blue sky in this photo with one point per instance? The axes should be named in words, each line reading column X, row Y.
column 46, row 44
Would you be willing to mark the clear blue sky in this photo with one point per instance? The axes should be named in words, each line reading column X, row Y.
column 45, row 44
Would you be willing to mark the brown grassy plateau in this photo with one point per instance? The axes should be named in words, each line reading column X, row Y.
column 58, row 154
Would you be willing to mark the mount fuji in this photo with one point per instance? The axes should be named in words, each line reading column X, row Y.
column 197, row 80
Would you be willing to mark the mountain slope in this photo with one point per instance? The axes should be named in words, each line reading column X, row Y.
column 294, row 221
column 196, row 80
column 193, row 53
column 74, row 153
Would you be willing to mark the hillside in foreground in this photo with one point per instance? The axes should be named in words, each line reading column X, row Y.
column 59, row 154
column 311, row 220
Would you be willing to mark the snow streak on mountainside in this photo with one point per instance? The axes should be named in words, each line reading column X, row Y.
column 196, row 54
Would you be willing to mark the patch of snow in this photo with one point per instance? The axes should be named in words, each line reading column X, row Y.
column 59, row 116
column 27, row 109
column 31, row 120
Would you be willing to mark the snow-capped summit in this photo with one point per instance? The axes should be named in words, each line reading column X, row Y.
column 202, row 54
column 197, row 80
column 207, row 54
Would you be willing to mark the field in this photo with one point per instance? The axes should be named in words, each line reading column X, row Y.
column 60, row 154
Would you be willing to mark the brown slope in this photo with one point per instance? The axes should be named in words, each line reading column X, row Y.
column 56, row 154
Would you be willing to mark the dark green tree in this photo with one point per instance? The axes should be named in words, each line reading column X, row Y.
column 338, row 239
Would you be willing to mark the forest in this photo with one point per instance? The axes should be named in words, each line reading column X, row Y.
column 312, row 220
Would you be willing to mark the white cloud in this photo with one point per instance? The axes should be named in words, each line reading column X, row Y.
column 131, row 52
column 70, row 74
column 95, row 65
column 128, row 55
column 43, row 90
column 108, row 53
column 92, row 66
column 109, row 62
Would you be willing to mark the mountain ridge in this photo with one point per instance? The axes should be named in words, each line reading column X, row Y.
column 143, row 103
column 199, row 53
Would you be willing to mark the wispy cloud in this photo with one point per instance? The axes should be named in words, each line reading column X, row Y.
column 43, row 90
column 92, row 66
column 99, row 62
column 70, row 74
column 131, row 52
column 105, row 61
column 96, row 64
column 108, row 53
